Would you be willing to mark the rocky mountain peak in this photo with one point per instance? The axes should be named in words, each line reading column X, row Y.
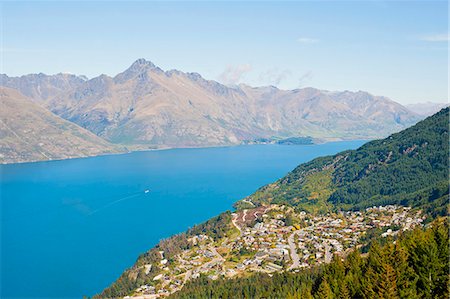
column 195, row 76
column 138, row 67
column 141, row 63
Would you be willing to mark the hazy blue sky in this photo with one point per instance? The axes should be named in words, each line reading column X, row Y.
column 397, row 49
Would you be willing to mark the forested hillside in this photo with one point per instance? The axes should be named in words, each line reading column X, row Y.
column 416, row 266
column 407, row 168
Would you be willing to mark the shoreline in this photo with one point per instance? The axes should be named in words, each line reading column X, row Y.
column 176, row 148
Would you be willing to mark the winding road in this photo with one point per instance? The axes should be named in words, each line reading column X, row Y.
column 293, row 249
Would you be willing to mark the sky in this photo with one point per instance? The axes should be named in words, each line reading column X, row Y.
column 395, row 49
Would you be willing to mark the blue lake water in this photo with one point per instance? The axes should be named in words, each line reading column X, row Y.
column 69, row 228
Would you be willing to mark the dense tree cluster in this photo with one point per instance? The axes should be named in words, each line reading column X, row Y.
column 413, row 160
column 415, row 266
column 296, row 140
column 216, row 227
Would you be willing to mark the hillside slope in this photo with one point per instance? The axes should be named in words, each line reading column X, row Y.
column 409, row 168
column 29, row 132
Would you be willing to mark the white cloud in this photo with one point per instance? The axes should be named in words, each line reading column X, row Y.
column 307, row 40
column 274, row 76
column 304, row 78
column 436, row 37
column 233, row 73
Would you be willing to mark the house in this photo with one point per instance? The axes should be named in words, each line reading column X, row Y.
column 273, row 267
column 261, row 255
column 147, row 268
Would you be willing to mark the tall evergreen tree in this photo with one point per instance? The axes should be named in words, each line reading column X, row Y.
column 324, row 291
column 387, row 287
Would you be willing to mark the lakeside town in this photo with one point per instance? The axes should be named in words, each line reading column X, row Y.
column 272, row 239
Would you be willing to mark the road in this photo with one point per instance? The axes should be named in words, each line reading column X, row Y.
column 328, row 255
column 218, row 259
column 249, row 202
column 293, row 249
column 233, row 220
column 244, row 215
column 187, row 276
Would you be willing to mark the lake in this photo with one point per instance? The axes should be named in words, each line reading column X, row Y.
column 69, row 228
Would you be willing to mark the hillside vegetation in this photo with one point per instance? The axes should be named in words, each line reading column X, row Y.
column 408, row 168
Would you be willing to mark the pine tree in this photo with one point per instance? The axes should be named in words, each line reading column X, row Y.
column 425, row 260
column 406, row 278
column 344, row 292
column 324, row 291
column 354, row 265
column 387, row 287
column 370, row 282
column 306, row 293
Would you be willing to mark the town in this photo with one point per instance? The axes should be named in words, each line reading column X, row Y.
column 275, row 238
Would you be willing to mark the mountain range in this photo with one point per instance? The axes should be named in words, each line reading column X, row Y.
column 145, row 107
column 426, row 108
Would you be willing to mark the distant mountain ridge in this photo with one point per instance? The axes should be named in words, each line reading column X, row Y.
column 427, row 108
column 29, row 132
column 40, row 87
column 146, row 107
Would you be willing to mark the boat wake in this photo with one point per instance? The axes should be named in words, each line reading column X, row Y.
column 117, row 201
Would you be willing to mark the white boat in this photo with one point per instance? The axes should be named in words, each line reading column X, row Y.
column 147, row 191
